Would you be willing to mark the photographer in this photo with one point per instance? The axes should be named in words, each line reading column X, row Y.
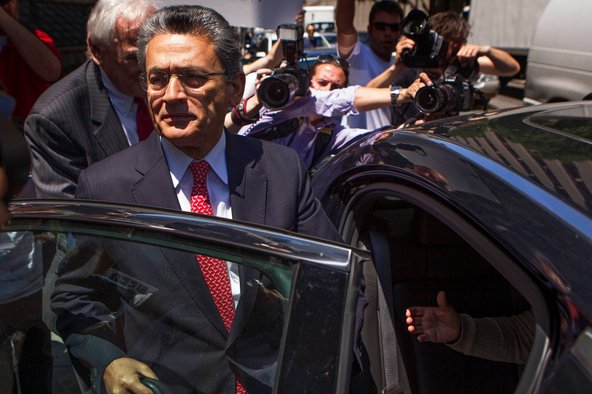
column 439, row 47
column 306, row 123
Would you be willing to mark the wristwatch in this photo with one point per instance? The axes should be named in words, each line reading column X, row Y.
column 395, row 90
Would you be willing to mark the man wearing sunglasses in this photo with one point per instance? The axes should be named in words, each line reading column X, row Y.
column 310, row 124
column 460, row 59
column 368, row 61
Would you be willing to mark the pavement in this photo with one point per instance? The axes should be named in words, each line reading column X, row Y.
column 510, row 95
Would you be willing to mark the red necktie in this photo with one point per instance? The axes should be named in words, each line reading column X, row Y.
column 143, row 122
column 214, row 271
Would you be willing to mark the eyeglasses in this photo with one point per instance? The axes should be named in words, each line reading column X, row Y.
column 332, row 59
column 382, row 26
column 156, row 82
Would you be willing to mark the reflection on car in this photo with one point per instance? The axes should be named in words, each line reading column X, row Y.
column 494, row 208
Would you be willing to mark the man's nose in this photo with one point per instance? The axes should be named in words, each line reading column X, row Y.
column 174, row 89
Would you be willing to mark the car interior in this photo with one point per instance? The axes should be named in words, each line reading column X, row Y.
column 416, row 256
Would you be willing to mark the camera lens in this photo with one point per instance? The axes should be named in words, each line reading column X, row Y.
column 276, row 91
column 429, row 99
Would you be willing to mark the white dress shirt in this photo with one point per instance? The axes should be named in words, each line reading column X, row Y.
column 218, row 191
column 126, row 109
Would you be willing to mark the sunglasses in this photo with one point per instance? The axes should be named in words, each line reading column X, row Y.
column 332, row 59
column 382, row 26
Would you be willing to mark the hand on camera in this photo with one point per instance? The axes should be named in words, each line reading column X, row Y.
column 469, row 53
column 408, row 94
column 405, row 43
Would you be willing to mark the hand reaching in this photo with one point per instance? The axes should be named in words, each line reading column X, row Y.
column 439, row 324
column 469, row 53
column 122, row 375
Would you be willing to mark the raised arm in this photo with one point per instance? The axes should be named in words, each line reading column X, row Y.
column 271, row 60
column 35, row 53
column 390, row 74
column 347, row 36
column 491, row 60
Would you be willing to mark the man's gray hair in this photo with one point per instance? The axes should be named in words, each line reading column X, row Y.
column 101, row 23
column 198, row 21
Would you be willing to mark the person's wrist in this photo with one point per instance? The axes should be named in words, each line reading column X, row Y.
column 395, row 95
column 458, row 334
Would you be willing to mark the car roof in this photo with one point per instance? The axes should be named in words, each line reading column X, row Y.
column 523, row 176
column 549, row 145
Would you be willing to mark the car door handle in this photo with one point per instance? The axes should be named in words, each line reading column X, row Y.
column 156, row 386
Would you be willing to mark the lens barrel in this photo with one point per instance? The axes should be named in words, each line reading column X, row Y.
column 277, row 90
column 436, row 98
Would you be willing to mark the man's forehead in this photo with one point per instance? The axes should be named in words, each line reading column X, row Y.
column 182, row 51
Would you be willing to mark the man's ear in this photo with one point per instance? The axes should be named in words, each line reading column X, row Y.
column 236, row 87
column 93, row 51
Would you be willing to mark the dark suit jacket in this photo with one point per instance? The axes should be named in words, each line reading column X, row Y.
column 71, row 126
column 179, row 332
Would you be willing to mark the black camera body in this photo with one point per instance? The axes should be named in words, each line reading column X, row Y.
column 450, row 95
column 285, row 83
column 430, row 48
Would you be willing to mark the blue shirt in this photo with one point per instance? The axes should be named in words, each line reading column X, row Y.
column 329, row 105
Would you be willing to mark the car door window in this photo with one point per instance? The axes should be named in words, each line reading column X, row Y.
column 424, row 256
column 109, row 282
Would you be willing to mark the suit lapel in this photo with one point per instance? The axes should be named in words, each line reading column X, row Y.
column 107, row 127
column 155, row 188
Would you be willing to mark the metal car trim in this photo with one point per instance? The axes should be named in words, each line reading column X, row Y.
column 582, row 350
column 255, row 238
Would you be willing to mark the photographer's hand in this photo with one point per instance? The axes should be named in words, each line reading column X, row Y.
column 405, row 43
column 491, row 60
column 408, row 94
column 469, row 53
column 389, row 75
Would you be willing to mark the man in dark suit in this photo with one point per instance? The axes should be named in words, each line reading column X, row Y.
column 192, row 75
column 93, row 112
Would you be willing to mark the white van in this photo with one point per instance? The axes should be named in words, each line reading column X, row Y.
column 560, row 58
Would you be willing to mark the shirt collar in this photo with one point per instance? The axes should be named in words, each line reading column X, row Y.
column 122, row 101
column 178, row 161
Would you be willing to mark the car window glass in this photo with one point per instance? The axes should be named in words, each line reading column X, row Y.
column 425, row 257
column 127, row 294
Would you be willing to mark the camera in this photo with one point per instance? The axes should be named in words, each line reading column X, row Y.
column 285, row 83
column 452, row 94
column 430, row 48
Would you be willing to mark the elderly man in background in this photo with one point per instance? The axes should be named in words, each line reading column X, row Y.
column 96, row 110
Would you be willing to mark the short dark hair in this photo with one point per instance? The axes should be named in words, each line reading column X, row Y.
column 195, row 20
column 450, row 25
column 334, row 60
column 388, row 6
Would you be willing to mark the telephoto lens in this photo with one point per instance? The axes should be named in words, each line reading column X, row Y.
column 435, row 98
column 276, row 91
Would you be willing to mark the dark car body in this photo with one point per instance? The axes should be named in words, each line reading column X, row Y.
column 515, row 187
column 494, row 208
